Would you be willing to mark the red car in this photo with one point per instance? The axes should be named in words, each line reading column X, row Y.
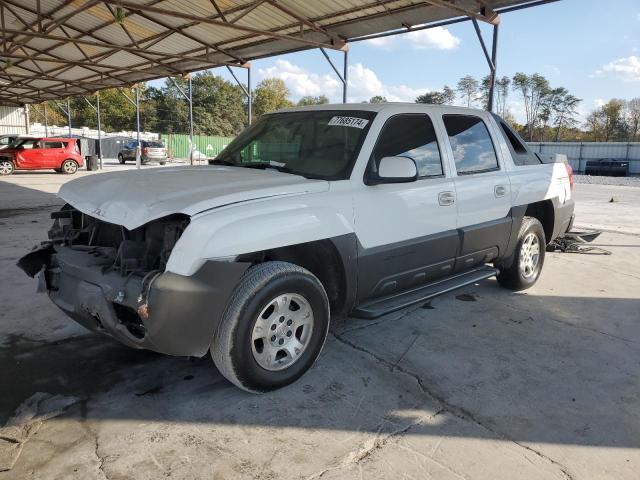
column 61, row 154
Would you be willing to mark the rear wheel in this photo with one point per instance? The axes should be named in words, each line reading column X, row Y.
column 6, row 167
column 528, row 257
column 273, row 328
column 69, row 167
column 121, row 158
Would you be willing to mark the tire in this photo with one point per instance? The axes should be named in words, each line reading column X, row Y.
column 6, row 167
column 528, row 257
column 69, row 167
column 121, row 158
column 163, row 163
column 241, row 348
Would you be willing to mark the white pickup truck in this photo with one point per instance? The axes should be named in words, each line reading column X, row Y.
column 358, row 209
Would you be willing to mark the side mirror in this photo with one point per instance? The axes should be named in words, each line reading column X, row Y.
column 394, row 170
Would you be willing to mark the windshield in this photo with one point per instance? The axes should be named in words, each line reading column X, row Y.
column 154, row 144
column 315, row 144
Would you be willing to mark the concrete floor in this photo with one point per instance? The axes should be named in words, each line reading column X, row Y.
column 542, row 384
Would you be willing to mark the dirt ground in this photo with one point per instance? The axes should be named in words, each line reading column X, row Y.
column 482, row 383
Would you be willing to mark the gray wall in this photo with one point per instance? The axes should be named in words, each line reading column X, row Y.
column 579, row 153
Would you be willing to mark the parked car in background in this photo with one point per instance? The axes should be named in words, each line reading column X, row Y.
column 37, row 153
column 608, row 167
column 6, row 140
column 151, row 151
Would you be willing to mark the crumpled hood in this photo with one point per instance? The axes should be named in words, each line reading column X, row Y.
column 134, row 197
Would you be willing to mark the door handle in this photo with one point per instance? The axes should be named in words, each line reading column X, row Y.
column 499, row 190
column 446, row 198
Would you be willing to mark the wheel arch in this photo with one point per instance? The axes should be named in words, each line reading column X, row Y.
column 331, row 260
column 545, row 213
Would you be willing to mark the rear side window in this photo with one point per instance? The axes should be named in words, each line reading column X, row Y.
column 53, row 145
column 413, row 136
column 519, row 152
column 471, row 143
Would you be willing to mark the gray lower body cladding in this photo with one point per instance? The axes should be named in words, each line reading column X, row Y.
column 164, row 312
column 563, row 219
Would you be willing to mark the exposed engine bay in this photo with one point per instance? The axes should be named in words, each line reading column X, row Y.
column 138, row 251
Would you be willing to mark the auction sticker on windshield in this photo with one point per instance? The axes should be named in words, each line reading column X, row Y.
column 349, row 122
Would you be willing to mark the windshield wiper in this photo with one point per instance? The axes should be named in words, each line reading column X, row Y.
column 257, row 165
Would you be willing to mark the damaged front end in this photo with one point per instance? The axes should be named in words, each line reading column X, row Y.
column 113, row 280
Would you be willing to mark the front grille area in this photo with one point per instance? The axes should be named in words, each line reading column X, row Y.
column 138, row 251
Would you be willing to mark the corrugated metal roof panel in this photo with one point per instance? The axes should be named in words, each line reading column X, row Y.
column 174, row 36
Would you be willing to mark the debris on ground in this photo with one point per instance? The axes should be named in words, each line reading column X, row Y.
column 574, row 242
column 26, row 421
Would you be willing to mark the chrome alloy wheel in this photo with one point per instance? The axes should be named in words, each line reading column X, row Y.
column 282, row 331
column 529, row 255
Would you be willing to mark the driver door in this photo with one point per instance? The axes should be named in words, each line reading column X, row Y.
column 406, row 231
column 29, row 156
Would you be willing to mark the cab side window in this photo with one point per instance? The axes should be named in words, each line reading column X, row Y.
column 412, row 136
column 471, row 144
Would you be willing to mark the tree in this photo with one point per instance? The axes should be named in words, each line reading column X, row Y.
column 310, row 100
column 378, row 99
column 565, row 112
column 500, row 93
column 468, row 88
column 632, row 119
column 614, row 127
column 218, row 106
column 445, row 97
column 533, row 90
column 54, row 114
column 271, row 94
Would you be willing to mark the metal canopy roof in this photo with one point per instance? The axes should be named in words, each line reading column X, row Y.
column 53, row 49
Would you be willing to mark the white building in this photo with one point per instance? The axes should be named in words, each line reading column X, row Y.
column 12, row 120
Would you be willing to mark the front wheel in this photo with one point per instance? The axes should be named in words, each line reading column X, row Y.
column 69, row 167
column 528, row 257
column 121, row 158
column 273, row 328
column 6, row 167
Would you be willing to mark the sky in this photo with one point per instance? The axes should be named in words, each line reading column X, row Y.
column 590, row 47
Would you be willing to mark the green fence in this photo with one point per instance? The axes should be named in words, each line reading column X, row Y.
column 178, row 144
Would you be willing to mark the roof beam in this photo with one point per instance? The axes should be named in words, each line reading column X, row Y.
column 219, row 23
column 98, row 44
column 180, row 31
column 297, row 16
column 247, row 11
column 451, row 5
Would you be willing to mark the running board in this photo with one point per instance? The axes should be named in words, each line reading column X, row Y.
column 389, row 304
